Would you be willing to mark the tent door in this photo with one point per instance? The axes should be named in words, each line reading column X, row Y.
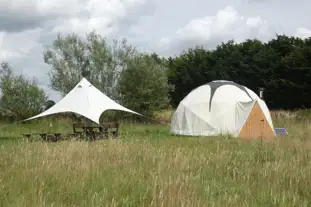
column 256, row 126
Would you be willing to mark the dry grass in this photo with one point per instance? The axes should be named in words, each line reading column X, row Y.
column 149, row 167
column 164, row 116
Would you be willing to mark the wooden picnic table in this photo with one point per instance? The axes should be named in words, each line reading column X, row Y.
column 94, row 131
column 90, row 130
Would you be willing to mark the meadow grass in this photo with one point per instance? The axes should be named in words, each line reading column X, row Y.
column 149, row 167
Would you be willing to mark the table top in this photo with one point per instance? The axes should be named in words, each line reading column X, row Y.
column 93, row 125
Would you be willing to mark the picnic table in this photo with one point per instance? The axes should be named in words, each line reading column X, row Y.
column 94, row 131
column 89, row 130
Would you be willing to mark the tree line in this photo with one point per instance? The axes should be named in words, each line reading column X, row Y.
column 147, row 82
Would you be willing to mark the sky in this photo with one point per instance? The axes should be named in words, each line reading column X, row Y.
column 27, row 27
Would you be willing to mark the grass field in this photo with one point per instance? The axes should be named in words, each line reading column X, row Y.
column 150, row 167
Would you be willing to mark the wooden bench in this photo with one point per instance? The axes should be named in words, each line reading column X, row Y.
column 53, row 137
column 89, row 129
column 111, row 128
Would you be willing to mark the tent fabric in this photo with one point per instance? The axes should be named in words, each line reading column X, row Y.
column 86, row 100
column 199, row 114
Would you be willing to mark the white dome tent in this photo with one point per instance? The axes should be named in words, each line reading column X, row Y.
column 222, row 107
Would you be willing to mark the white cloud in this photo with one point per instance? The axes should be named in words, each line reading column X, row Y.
column 104, row 16
column 303, row 32
column 226, row 24
column 35, row 8
column 16, row 45
column 82, row 26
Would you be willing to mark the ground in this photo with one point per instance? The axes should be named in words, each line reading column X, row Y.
column 150, row 167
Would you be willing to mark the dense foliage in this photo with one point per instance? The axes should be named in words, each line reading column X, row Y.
column 21, row 98
column 143, row 85
column 282, row 66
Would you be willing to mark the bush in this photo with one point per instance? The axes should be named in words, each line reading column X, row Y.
column 21, row 98
column 143, row 85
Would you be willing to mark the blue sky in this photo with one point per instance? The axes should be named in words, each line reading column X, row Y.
column 165, row 27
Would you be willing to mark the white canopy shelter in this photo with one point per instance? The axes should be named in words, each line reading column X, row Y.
column 86, row 100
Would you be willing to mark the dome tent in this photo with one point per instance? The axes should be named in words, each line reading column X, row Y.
column 222, row 107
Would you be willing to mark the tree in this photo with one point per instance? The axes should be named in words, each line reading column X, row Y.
column 188, row 71
column 143, row 85
column 21, row 98
column 70, row 57
column 48, row 104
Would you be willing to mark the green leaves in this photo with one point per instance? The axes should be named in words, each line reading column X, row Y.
column 21, row 98
column 143, row 84
column 71, row 56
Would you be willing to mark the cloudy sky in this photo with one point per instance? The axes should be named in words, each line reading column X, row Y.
column 165, row 27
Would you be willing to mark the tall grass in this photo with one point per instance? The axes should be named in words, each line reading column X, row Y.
column 150, row 167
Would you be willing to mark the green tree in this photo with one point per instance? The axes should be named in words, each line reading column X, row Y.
column 70, row 56
column 48, row 104
column 21, row 98
column 143, row 84
column 188, row 71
